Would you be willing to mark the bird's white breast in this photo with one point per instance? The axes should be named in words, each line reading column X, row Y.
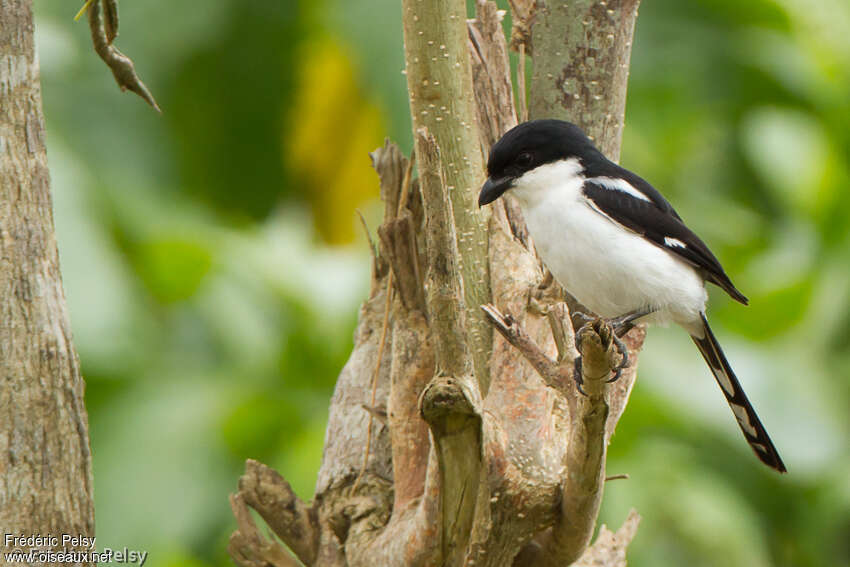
column 608, row 268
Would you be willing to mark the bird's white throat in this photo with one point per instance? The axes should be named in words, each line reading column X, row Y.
column 534, row 186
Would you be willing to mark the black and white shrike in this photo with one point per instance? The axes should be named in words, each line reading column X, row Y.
column 615, row 243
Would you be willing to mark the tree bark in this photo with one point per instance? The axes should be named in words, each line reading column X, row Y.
column 45, row 460
column 439, row 81
column 460, row 460
column 581, row 66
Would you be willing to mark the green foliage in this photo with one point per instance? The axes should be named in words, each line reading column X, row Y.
column 212, row 318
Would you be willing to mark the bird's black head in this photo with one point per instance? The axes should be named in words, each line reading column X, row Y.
column 528, row 146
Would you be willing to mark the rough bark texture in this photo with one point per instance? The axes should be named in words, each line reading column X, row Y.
column 463, row 467
column 45, row 461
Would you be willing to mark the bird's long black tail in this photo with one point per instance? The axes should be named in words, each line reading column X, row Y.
column 746, row 416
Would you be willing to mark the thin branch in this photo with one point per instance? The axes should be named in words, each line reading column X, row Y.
column 83, row 10
column 381, row 344
column 103, row 32
column 581, row 491
column 372, row 248
column 558, row 316
column 555, row 375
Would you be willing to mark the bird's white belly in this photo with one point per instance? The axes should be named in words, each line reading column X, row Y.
column 608, row 268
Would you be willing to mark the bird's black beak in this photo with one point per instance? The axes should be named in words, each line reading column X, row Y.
column 493, row 189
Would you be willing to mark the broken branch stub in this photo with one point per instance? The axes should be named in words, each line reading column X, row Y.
column 248, row 546
column 294, row 522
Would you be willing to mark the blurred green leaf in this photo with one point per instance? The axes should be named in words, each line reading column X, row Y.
column 173, row 269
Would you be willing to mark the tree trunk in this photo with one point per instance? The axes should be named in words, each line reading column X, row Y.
column 45, row 461
column 433, row 454
column 581, row 66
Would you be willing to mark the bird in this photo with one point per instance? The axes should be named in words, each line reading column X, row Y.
column 617, row 245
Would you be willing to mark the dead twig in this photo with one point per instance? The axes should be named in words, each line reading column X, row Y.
column 402, row 203
column 104, row 29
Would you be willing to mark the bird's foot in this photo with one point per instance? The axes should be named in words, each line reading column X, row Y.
column 621, row 325
column 610, row 331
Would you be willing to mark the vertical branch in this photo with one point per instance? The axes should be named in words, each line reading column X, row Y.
column 581, row 55
column 450, row 403
column 444, row 296
column 439, row 80
column 585, row 460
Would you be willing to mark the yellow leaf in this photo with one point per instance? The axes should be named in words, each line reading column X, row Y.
column 333, row 127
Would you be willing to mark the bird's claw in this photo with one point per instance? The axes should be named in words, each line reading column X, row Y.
column 577, row 377
column 583, row 317
column 625, row 323
column 624, row 357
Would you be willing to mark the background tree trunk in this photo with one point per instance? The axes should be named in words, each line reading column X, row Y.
column 430, row 459
column 45, row 461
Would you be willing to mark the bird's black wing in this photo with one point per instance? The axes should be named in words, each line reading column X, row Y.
column 643, row 210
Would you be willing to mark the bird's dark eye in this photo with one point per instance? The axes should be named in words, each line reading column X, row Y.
column 524, row 159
